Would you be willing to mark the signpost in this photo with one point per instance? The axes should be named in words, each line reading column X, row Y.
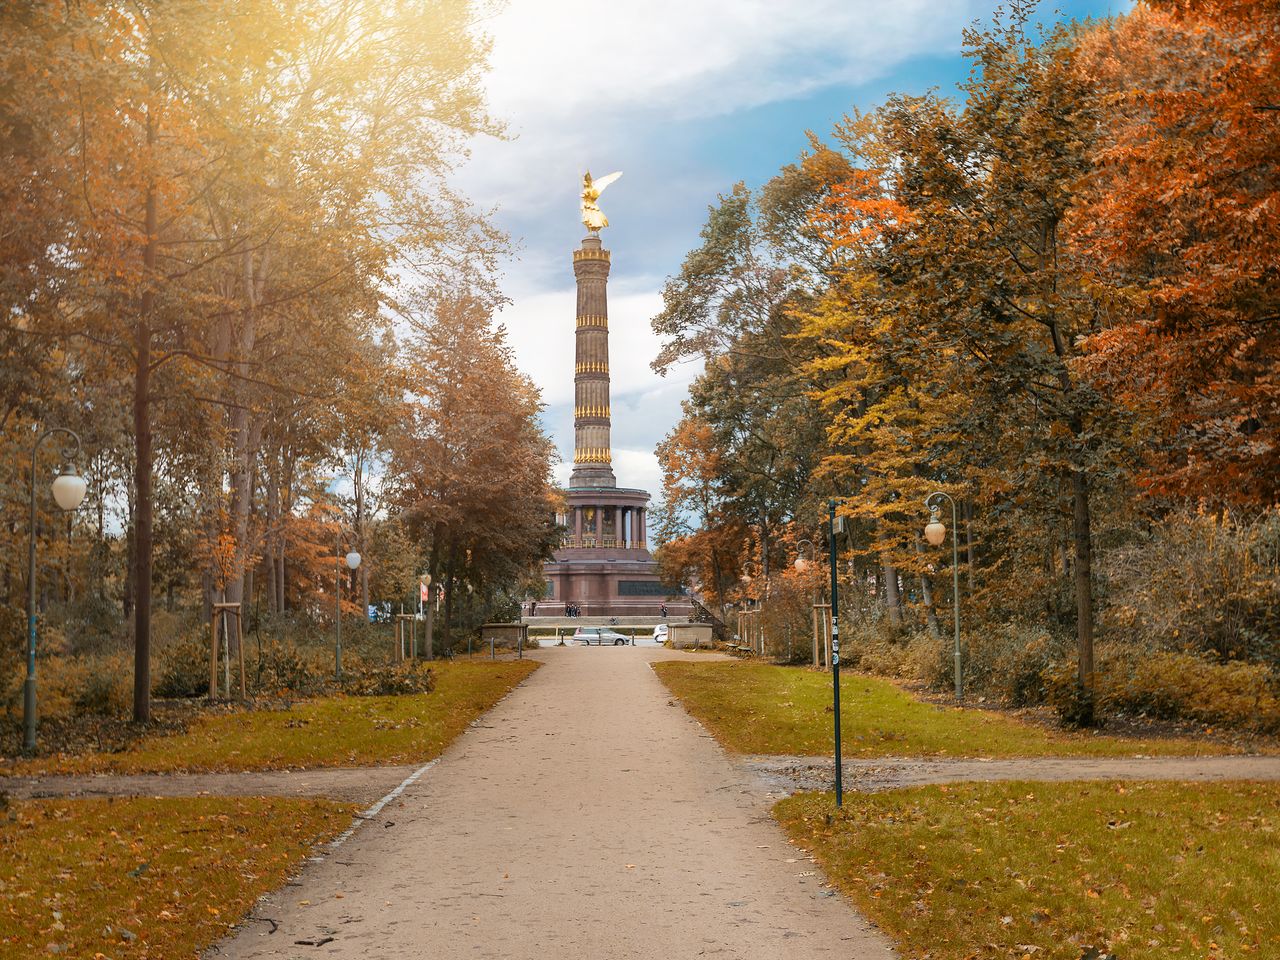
column 835, row 647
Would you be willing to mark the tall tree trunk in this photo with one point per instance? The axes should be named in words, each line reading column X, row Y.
column 281, row 582
column 1080, row 520
column 926, row 592
column 144, row 456
column 1084, row 593
column 450, row 575
column 270, row 540
column 246, row 430
column 128, row 600
column 241, row 492
column 249, row 577
column 970, row 558
column 892, row 595
column 429, row 623
column 282, row 538
column 446, row 640
column 360, row 492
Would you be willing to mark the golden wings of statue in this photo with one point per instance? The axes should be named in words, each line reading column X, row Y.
column 593, row 217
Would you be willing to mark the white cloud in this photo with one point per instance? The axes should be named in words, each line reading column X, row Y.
column 630, row 85
column 705, row 57
column 637, row 469
column 573, row 82
column 541, row 330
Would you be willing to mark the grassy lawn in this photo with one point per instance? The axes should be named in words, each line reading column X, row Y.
column 327, row 732
column 1149, row 871
column 145, row 877
column 757, row 708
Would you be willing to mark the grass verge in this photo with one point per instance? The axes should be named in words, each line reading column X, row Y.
column 758, row 708
column 340, row 731
column 146, row 877
column 1043, row 871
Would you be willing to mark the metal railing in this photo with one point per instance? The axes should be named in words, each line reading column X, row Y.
column 588, row 540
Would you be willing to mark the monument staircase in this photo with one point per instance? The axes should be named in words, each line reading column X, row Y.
column 601, row 621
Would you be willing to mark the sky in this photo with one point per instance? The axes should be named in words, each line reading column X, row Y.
column 685, row 97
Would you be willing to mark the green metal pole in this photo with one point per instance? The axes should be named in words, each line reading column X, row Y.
column 29, row 685
column 835, row 647
column 955, row 594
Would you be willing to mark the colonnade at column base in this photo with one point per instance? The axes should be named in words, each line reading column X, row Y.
column 603, row 566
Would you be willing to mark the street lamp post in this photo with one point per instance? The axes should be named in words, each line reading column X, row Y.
column 352, row 560
column 68, row 492
column 935, row 532
column 835, row 647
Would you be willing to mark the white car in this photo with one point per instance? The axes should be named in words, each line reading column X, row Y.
column 599, row 636
column 661, row 633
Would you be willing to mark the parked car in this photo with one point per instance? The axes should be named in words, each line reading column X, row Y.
column 661, row 633
column 598, row 636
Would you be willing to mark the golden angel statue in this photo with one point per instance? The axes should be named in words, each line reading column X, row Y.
column 593, row 217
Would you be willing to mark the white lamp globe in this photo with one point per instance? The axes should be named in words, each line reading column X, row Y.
column 353, row 560
column 935, row 532
column 801, row 564
column 426, row 579
column 68, row 490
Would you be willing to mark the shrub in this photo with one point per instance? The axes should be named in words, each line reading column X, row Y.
column 84, row 686
column 875, row 647
column 413, row 676
column 929, row 659
column 101, row 693
column 1180, row 685
column 92, row 623
column 287, row 668
column 182, row 669
column 1175, row 686
column 1203, row 583
column 1008, row 662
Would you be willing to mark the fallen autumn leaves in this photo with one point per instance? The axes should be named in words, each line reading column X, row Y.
column 146, row 878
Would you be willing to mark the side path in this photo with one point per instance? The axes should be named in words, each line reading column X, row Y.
column 777, row 775
column 586, row 816
column 353, row 784
column 783, row 775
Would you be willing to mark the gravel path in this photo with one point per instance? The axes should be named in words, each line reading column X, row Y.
column 782, row 775
column 771, row 775
column 354, row 784
column 586, row 816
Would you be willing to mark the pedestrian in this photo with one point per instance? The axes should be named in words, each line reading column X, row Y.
column 533, row 608
column 664, row 611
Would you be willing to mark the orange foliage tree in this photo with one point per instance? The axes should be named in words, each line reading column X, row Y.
column 1183, row 216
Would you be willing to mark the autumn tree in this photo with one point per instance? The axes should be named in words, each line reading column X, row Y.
column 236, row 192
column 1183, row 218
column 703, row 538
column 731, row 308
column 469, row 467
